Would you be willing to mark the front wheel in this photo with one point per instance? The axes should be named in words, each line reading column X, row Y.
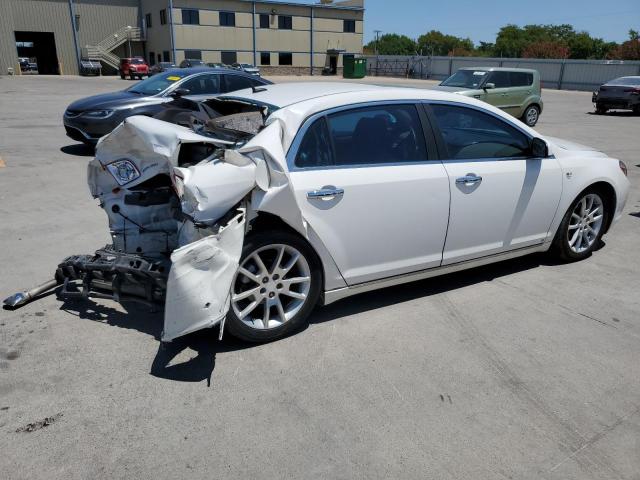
column 601, row 110
column 531, row 115
column 121, row 74
column 636, row 109
column 582, row 227
column 276, row 287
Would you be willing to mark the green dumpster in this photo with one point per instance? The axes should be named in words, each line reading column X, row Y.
column 354, row 67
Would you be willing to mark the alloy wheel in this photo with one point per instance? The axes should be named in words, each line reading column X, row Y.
column 271, row 286
column 532, row 116
column 585, row 223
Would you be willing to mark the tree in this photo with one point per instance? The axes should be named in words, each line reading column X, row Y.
column 545, row 50
column 437, row 43
column 486, row 49
column 392, row 44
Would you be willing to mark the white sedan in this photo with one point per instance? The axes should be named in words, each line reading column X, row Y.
column 297, row 195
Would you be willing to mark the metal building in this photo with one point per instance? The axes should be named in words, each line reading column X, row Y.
column 56, row 35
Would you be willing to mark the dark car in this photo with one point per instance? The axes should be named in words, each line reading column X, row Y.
column 90, row 118
column 621, row 94
column 192, row 62
column 161, row 67
column 134, row 67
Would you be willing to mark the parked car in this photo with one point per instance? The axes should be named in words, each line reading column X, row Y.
column 514, row 90
column 133, row 67
column 294, row 195
column 620, row 94
column 27, row 65
column 247, row 68
column 90, row 118
column 217, row 65
column 161, row 67
column 192, row 62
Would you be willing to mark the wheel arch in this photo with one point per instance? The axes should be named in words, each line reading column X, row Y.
column 611, row 199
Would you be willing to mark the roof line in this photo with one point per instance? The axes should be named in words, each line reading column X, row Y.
column 313, row 5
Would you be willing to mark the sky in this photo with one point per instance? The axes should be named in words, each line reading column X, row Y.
column 480, row 20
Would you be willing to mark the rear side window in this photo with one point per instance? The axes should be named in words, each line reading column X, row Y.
column 365, row 136
column 521, row 79
column 236, row 82
column 471, row 134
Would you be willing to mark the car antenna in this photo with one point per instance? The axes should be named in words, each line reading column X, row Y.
column 258, row 89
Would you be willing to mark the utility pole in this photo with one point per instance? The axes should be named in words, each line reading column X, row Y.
column 377, row 32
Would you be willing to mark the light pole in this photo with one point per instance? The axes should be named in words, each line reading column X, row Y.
column 377, row 32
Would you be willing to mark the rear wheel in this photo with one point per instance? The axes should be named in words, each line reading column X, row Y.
column 582, row 227
column 531, row 115
column 121, row 74
column 139, row 77
column 275, row 289
column 132, row 76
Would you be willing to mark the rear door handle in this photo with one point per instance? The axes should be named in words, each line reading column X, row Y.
column 328, row 192
column 469, row 178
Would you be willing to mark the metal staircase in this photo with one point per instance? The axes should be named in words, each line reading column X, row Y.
column 103, row 50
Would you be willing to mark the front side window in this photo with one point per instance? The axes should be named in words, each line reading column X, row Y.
column 285, row 22
column 380, row 135
column 264, row 20
column 471, row 134
column 227, row 19
column 156, row 83
column 500, row 79
column 202, row 85
column 285, row 58
column 190, row 16
column 466, row 79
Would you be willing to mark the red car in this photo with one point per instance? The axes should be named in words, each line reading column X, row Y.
column 134, row 67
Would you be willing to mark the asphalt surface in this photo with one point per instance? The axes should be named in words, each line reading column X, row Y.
column 526, row 369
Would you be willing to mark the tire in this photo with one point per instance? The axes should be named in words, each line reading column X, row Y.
column 132, row 76
column 569, row 243
column 269, row 286
column 139, row 77
column 121, row 75
column 636, row 109
column 531, row 115
column 600, row 110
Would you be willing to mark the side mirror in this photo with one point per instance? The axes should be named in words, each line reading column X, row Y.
column 179, row 92
column 489, row 86
column 539, row 148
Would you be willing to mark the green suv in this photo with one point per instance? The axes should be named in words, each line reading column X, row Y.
column 514, row 90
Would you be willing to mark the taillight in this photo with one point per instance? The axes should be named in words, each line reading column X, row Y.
column 623, row 167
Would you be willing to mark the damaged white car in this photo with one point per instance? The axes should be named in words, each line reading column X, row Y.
column 278, row 199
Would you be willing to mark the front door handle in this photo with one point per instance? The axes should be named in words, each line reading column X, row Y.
column 469, row 178
column 326, row 193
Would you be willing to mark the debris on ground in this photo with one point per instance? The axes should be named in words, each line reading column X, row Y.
column 32, row 427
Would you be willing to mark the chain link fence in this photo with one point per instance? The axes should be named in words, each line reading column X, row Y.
column 554, row 73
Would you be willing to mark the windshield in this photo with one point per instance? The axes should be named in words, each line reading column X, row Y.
column 466, row 79
column 157, row 83
column 136, row 60
column 625, row 81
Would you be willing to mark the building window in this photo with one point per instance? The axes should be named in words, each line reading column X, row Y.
column 285, row 59
column 160, row 57
column 166, row 56
column 264, row 20
column 229, row 58
column 152, row 58
column 147, row 20
column 265, row 58
column 163, row 17
column 349, row 26
column 227, row 19
column 193, row 54
column 190, row 17
column 285, row 22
